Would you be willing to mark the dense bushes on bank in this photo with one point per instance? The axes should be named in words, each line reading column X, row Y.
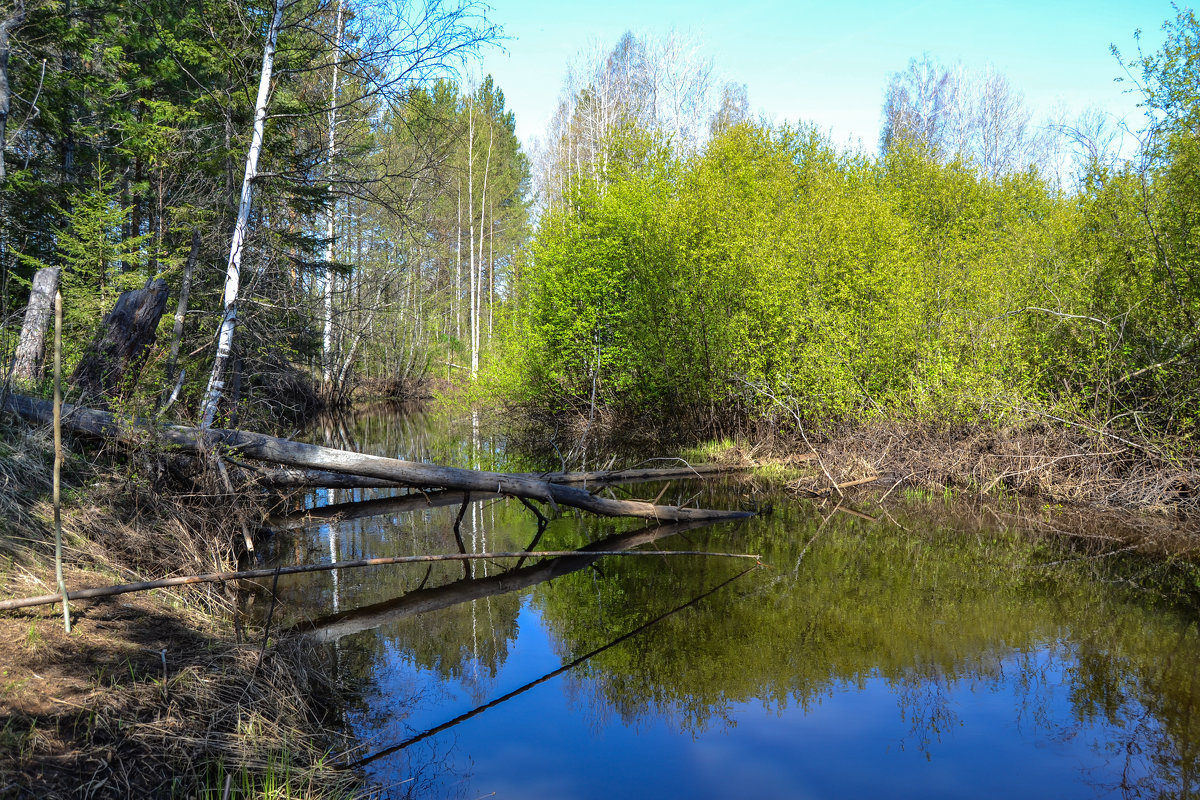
column 770, row 267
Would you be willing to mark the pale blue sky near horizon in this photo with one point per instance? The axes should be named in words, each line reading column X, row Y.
column 828, row 63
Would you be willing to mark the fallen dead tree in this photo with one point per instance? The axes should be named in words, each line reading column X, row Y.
column 313, row 478
column 220, row 577
column 419, row 500
column 181, row 439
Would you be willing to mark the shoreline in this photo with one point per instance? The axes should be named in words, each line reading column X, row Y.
column 1036, row 457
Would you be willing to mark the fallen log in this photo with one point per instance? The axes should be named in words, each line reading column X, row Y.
column 316, row 479
column 310, row 456
column 417, row 501
column 313, row 478
column 220, row 577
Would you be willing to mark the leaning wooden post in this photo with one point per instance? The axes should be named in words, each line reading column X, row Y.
column 58, row 571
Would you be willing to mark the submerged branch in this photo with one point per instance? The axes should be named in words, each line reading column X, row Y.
column 219, row 577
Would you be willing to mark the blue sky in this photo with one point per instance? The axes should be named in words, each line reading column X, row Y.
column 828, row 62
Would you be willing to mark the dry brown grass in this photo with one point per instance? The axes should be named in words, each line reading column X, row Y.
column 1034, row 458
column 94, row 713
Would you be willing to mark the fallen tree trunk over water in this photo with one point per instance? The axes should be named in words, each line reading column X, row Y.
column 310, row 456
column 314, row 478
column 220, row 577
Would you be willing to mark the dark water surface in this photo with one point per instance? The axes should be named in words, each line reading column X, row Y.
column 917, row 656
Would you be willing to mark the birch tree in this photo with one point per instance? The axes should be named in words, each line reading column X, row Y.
column 327, row 344
column 953, row 113
column 659, row 84
column 395, row 46
column 233, row 267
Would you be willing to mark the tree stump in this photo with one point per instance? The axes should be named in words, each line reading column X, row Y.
column 31, row 349
column 121, row 345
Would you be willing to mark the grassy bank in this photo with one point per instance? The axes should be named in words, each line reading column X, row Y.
column 163, row 694
column 1037, row 457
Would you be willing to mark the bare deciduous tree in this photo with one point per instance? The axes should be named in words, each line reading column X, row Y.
column 659, row 84
column 734, row 108
column 953, row 113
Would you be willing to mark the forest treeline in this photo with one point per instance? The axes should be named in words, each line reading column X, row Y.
column 385, row 198
column 657, row 251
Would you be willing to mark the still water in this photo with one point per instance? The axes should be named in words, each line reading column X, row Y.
column 927, row 654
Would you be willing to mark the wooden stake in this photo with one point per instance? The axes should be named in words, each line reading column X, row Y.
column 57, row 499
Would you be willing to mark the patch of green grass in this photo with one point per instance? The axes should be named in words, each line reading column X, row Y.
column 916, row 496
column 708, row 451
column 775, row 472
column 279, row 779
column 34, row 639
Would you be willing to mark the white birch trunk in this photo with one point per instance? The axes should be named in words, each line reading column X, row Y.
column 491, row 276
column 216, row 381
column 327, row 344
column 479, row 278
column 457, row 298
column 471, row 222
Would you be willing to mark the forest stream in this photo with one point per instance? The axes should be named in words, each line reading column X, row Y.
column 933, row 653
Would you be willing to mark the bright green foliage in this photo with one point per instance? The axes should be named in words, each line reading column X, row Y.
column 770, row 264
column 770, row 271
column 98, row 262
column 417, row 249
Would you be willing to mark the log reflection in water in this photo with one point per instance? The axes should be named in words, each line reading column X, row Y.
column 334, row 626
column 341, row 512
column 410, row 741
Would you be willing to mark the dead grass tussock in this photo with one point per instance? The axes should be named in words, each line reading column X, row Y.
column 25, row 472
